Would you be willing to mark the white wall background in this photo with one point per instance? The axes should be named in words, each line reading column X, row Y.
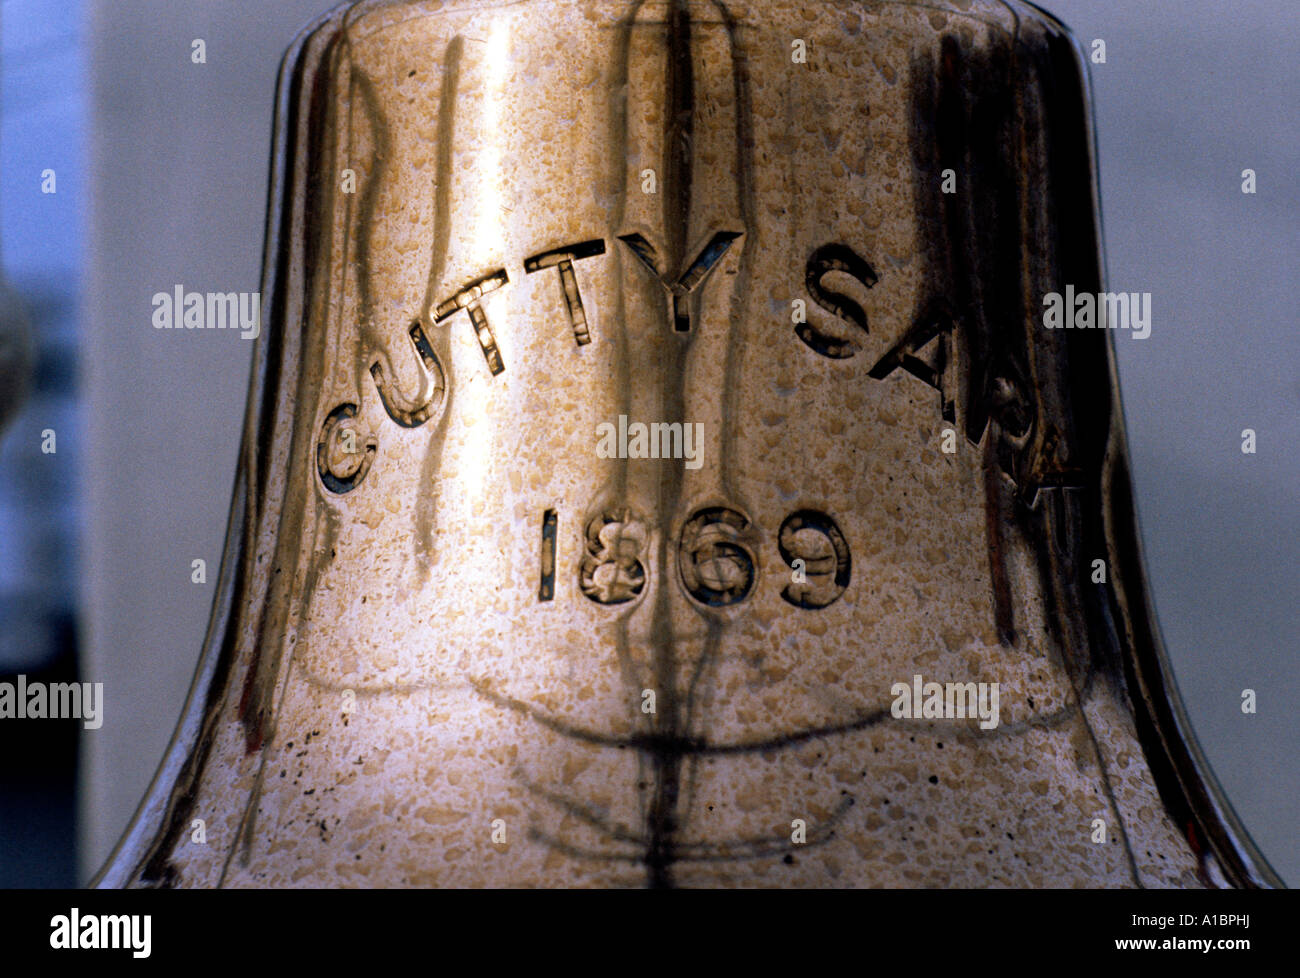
column 1193, row 91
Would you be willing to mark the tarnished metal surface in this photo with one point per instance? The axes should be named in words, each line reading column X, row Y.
column 462, row 639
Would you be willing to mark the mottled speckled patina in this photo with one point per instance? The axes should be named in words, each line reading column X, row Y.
column 497, row 226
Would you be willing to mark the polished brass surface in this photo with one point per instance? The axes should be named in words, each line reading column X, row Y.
column 649, row 393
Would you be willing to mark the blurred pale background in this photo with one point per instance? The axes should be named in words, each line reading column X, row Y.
column 1193, row 92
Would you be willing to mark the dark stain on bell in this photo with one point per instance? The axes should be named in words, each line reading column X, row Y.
column 965, row 126
column 428, row 498
column 1009, row 122
column 1012, row 123
column 661, row 820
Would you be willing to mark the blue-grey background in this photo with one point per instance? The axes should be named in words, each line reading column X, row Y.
column 162, row 168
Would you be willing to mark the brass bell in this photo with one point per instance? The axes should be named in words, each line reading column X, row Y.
column 659, row 470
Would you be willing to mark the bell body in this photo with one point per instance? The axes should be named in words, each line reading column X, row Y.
column 655, row 402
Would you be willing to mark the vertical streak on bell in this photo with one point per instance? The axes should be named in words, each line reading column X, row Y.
column 426, row 503
column 702, row 227
column 667, row 734
column 667, row 352
column 679, row 116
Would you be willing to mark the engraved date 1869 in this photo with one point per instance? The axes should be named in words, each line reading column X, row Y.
column 715, row 557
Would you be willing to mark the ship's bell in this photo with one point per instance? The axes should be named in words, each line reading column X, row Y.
column 659, row 470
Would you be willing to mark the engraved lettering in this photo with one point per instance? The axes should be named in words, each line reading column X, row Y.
column 826, row 259
column 550, row 523
column 340, row 469
column 690, row 279
column 717, row 568
column 413, row 412
column 563, row 259
column 934, row 327
column 611, row 571
column 468, row 299
column 816, row 539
